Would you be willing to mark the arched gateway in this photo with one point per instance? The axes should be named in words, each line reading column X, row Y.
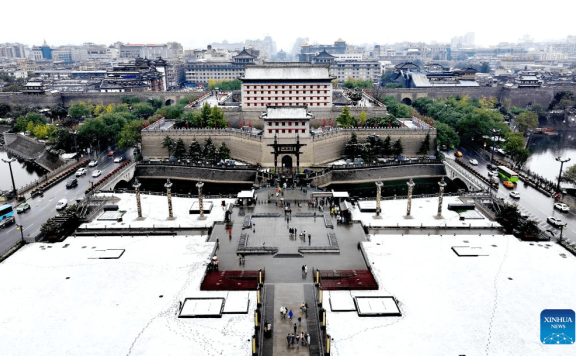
column 286, row 125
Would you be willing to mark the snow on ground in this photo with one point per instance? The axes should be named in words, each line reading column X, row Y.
column 487, row 305
column 423, row 212
column 57, row 299
column 155, row 212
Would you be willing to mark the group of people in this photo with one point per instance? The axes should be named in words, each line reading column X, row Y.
column 296, row 338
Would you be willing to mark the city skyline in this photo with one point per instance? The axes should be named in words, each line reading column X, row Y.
column 321, row 22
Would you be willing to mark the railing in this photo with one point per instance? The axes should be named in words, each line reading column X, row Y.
column 192, row 164
column 366, row 128
column 45, row 177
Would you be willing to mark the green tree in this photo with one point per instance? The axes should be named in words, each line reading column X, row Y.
column 387, row 146
column 79, row 110
column 527, row 120
column 179, row 149
column 205, row 115
column 362, row 118
column 22, row 122
column 168, row 144
column 4, row 109
column 397, row 148
column 130, row 135
column 195, row 150
column 515, row 147
column 569, row 175
column 130, row 99
column 217, row 119
column 223, row 151
column 143, row 110
column 209, row 150
column 425, row 146
column 345, row 118
column 445, row 135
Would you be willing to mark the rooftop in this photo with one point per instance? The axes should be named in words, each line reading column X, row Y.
column 286, row 72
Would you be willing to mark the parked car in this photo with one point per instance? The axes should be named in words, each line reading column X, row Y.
column 110, row 153
column 473, row 162
column 514, row 194
column 118, row 159
column 458, row 154
column 493, row 174
column 93, row 164
column 62, row 203
column 562, row 207
column 7, row 222
column 508, row 184
column 81, row 172
column 96, row 173
column 555, row 221
column 71, row 183
column 22, row 208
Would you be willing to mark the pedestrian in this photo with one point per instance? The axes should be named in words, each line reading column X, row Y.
column 302, row 306
column 302, row 269
column 305, row 311
column 307, row 338
column 303, row 338
column 299, row 321
column 309, row 239
column 288, row 339
column 290, row 314
column 295, row 328
column 297, row 339
column 217, row 244
column 292, row 339
column 239, row 259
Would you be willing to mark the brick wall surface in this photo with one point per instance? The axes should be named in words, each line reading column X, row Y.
column 205, row 174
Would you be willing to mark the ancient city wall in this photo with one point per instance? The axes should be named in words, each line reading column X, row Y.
column 318, row 150
column 205, row 174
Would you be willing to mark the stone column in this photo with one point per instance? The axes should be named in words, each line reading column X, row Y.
column 168, row 187
column 379, row 185
column 136, row 186
column 442, row 184
column 411, row 185
column 199, row 185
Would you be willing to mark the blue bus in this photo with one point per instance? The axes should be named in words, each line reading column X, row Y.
column 6, row 211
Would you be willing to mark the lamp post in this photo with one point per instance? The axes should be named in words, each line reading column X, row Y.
column 19, row 227
column 75, row 145
column 442, row 184
column 495, row 133
column 411, row 185
column 562, row 161
column 168, row 187
column 9, row 161
column 379, row 185
column 199, row 185
column 136, row 186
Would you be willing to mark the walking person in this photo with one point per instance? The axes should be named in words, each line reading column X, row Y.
column 295, row 328
column 299, row 321
column 305, row 269
column 307, row 338
column 292, row 337
column 288, row 338
column 297, row 339
column 290, row 314
column 309, row 239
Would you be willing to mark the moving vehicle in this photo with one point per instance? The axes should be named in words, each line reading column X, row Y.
column 562, row 207
column 508, row 184
column 22, row 208
column 555, row 221
column 93, row 164
column 6, row 211
column 493, row 174
column 81, row 172
column 118, row 159
column 458, row 154
column 506, row 174
column 6, row 222
column 514, row 194
column 96, row 173
column 473, row 162
column 110, row 153
column 62, row 203
column 71, row 183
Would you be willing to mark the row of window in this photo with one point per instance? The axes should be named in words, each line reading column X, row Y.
column 286, row 104
column 288, row 98
column 302, row 123
column 286, row 86
column 289, row 131
column 287, row 92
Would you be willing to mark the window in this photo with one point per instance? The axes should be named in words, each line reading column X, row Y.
column 283, row 124
column 277, row 124
column 289, row 124
column 289, row 131
column 283, row 131
column 269, row 131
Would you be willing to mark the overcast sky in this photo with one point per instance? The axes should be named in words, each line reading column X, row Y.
column 197, row 23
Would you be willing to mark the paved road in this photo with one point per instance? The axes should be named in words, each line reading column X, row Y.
column 43, row 208
column 533, row 203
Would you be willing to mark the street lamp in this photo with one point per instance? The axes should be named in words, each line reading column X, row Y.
column 495, row 133
column 9, row 161
column 75, row 145
column 562, row 161
column 19, row 227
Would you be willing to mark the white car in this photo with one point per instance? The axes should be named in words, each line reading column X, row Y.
column 93, row 164
column 514, row 194
column 118, row 159
column 473, row 162
column 493, row 174
column 62, row 203
column 562, row 207
column 96, row 173
column 81, row 172
column 555, row 221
